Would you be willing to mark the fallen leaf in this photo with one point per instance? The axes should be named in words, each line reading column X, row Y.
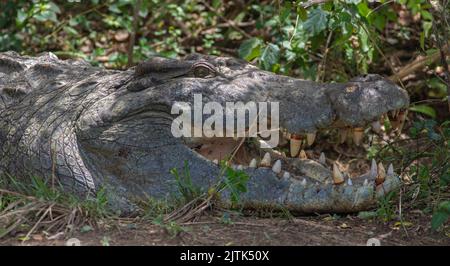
column 344, row 226
column 405, row 224
column 73, row 242
column 56, row 236
column 37, row 237
column 121, row 35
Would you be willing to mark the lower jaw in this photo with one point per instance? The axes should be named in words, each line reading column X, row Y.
column 308, row 167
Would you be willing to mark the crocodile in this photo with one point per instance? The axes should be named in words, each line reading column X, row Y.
column 88, row 129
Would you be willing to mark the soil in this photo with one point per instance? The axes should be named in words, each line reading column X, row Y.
column 211, row 230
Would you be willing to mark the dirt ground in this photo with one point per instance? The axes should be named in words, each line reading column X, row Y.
column 311, row 231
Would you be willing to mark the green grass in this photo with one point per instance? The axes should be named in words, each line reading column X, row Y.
column 29, row 207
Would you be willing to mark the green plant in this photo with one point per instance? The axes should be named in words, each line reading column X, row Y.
column 171, row 227
column 432, row 178
column 346, row 32
column 386, row 208
column 30, row 205
column 441, row 215
column 184, row 184
column 234, row 181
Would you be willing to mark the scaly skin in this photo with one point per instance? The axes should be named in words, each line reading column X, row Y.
column 91, row 128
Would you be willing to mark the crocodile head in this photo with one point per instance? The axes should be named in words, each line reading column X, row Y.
column 96, row 128
column 132, row 142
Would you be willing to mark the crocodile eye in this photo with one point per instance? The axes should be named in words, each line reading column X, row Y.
column 203, row 70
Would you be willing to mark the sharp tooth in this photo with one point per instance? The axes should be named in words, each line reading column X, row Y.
column 265, row 160
column 252, row 163
column 287, row 135
column 342, row 135
column 337, row 175
column 295, row 145
column 277, row 167
column 381, row 174
column 349, row 182
column 303, row 155
column 376, row 127
column 303, row 183
column 358, row 134
column 390, row 171
column 310, row 137
column 401, row 120
column 366, row 182
column 373, row 170
column 322, row 159
column 286, row 175
column 215, row 161
column 394, row 113
column 240, row 167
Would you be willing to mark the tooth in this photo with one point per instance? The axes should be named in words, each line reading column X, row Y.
column 295, row 145
column 337, row 175
column 215, row 161
column 303, row 155
column 327, row 182
column 287, row 135
column 342, row 135
column 366, row 182
column 303, row 183
column 322, row 159
column 390, row 171
column 394, row 113
column 349, row 182
column 358, row 134
column 381, row 174
column 265, row 160
column 373, row 169
column 277, row 167
column 401, row 120
column 376, row 127
column 252, row 163
column 240, row 167
column 310, row 137
column 286, row 175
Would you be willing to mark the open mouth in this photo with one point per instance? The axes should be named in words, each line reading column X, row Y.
column 335, row 156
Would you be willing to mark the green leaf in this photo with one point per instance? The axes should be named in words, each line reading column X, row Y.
column 86, row 229
column 363, row 9
column 379, row 22
column 439, row 218
column 250, row 49
column 437, row 84
column 316, row 22
column 424, row 109
column 53, row 7
column 301, row 12
column 426, row 25
column 70, row 30
column 445, row 207
column 21, row 17
column 426, row 15
column 270, row 56
column 285, row 13
column 114, row 8
column 46, row 15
